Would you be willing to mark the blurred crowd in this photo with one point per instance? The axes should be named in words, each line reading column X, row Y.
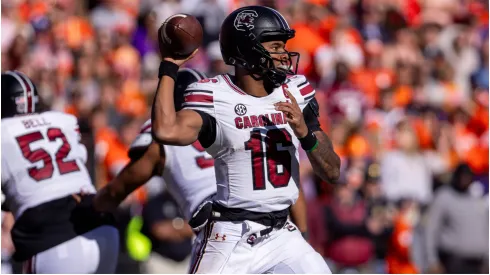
column 403, row 92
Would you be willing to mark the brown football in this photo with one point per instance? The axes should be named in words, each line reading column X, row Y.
column 181, row 33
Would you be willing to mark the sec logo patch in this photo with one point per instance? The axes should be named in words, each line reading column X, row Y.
column 240, row 109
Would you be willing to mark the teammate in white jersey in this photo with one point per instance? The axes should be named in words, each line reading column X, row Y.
column 252, row 124
column 188, row 171
column 56, row 229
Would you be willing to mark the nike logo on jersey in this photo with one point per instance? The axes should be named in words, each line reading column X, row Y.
column 253, row 121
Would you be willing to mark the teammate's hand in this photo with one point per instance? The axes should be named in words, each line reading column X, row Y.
column 294, row 116
column 167, row 55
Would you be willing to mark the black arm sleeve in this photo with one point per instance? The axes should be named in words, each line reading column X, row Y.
column 207, row 135
column 311, row 113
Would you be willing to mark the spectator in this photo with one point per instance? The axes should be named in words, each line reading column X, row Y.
column 349, row 226
column 379, row 209
column 406, row 172
column 457, row 227
column 108, row 16
column 399, row 256
column 344, row 98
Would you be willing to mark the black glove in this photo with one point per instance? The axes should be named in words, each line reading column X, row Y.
column 201, row 216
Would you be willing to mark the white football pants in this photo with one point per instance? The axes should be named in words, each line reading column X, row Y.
column 93, row 252
column 230, row 247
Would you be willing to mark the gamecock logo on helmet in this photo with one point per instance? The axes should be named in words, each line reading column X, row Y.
column 245, row 20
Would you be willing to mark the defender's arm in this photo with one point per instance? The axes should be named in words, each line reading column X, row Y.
column 136, row 173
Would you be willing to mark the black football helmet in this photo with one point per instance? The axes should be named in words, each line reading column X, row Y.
column 242, row 33
column 19, row 94
column 185, row 77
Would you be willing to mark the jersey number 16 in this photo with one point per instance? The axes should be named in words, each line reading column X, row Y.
column 276, row 155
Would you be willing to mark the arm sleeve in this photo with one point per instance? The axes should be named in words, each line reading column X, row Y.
column 207, row 135
column 311, row 114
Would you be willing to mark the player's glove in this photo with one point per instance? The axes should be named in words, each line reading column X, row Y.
column 201, row 216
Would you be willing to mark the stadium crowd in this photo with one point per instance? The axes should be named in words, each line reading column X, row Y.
column 403, row 92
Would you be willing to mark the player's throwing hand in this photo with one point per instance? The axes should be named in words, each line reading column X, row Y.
column 294, row 115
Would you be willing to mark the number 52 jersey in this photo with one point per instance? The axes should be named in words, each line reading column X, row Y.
column 42, row 160
column 255, row 149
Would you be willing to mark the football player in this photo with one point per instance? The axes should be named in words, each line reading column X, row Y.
column 56, row 229
column 252, row 123
column 187, row 170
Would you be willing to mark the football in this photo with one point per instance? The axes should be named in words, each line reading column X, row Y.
column 181, row 34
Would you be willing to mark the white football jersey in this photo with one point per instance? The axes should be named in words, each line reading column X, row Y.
column 255, row 150
column 188, row 173
column 42, row 160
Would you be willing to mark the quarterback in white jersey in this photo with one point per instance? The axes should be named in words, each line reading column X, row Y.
column 43, row 173
column 252, row 124
column 188, row 171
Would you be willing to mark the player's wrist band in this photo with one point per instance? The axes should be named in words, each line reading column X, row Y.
column 169, row 69
column 309, row 142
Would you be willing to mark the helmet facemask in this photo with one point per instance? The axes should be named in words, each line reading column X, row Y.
column 260, row 62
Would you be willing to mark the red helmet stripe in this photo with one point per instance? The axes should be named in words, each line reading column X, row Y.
column 30, row 96
column 29, row 92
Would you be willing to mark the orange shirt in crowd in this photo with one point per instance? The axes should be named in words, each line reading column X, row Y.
column 370, row 81
column 74, row 31
column 306, row 41
column 471, row 149
column 398, row 257
column 403, row 95
column 423, row 134
column 326, row 26
column 31, row 9
column 112, row 154
column 131, row 101
column 478, row 123
column 71, row 109
column 358, row 146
